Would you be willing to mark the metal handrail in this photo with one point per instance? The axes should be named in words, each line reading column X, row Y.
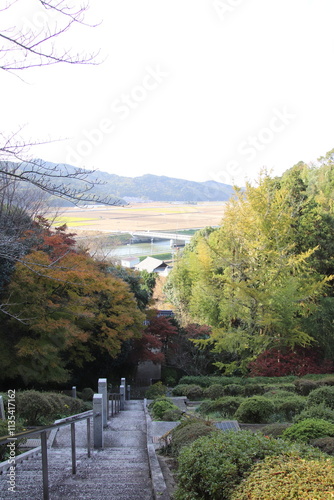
column 42, row 431
column 38, row 430
column 114, row 400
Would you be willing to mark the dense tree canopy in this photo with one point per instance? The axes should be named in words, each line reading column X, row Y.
column 69, row 308
column 255, row 279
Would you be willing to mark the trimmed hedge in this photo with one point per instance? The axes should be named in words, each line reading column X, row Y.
column 310, row 428
column 324, row 394
column 304, row 386
column 212, row 466
column 226, row 406
column 41, row 408
column 159, row 406
column 318, row 411
column 156, row 390
column 255, row 410
column 325, row 444
column 187, row 432
column 274, row 430
column 282, row 477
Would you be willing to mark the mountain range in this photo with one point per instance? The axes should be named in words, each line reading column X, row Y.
column 144, row 188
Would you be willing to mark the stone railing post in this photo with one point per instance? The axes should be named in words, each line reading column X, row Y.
column 98, row 421
column 2, row 409
column 123, row 381
column 102, row 389
column 128, row 392
column 122, row 394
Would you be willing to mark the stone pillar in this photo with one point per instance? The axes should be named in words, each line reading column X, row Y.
column 102, row 389
column 98, row 421
column 128, row 392
column 122, row 393
column 74, row 392
column 2, row 409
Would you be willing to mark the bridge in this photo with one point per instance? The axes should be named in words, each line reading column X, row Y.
column 151, row 235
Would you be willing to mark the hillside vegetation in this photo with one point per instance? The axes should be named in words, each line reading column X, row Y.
column 146, row 187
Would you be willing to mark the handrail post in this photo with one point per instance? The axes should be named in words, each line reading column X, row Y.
column 123, row 382
column 88, row 437
column 45, row 466
column 102, row 389
column 74, row 465
column 98, row 421
column 122, row 396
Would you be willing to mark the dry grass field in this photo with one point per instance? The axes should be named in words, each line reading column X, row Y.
column 141, row 217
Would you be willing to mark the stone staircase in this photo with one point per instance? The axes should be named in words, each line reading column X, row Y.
column 121, row 470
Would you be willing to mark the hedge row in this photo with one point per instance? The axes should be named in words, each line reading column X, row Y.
column 213, row 466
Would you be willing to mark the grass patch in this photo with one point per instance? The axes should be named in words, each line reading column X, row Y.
column 70, row 221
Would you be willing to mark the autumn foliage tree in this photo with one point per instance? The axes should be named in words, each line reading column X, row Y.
column 157, row 339
column 63, row 309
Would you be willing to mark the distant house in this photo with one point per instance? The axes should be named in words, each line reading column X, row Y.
column 129, row 262
column 152, row 265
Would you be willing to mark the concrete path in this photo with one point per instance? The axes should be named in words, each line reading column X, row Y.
column 124, row 470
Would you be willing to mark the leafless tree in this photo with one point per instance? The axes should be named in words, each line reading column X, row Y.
column 26, row 44
column 32, row 45
column 29, row 46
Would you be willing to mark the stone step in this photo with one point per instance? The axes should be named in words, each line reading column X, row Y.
column 109, row 474
column 120, row 471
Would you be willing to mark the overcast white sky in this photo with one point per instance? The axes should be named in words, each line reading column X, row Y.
column 195, row 89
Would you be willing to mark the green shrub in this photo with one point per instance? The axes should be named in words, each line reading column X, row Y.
column 226, row 406
column 194, row 392
column 156, row 390
column 206, row 381
column 34, row 407
column 187, row 432
column 172, row 415
column 87, row 394
column 325, row 444
column 215, row 391
column 282, row 477
column 71, row 406
column 194, row 380
column 329, row 380
column 42, row 408
column 290, row 407
column 278, row 394
column 159, row 406
column 274, row 430
column 254, row 390
column 180, row 390
column 234, row 390
column 318, row 411
column 304, row 386
column 255, row 410
column 308, row 429
column 86, row 406
column 324, row 395
column 212, row 466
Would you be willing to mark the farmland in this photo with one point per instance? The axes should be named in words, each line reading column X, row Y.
column 140, row 217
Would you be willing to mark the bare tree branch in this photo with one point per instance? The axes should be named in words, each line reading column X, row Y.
column 35, row 46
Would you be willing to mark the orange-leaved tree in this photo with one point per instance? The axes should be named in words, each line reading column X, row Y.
column 69, row 309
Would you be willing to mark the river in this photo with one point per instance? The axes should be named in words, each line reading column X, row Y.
column 140, row 249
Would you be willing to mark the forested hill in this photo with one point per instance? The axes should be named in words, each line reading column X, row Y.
column 146, row 187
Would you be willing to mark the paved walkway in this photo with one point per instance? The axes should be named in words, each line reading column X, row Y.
column 124, row 470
